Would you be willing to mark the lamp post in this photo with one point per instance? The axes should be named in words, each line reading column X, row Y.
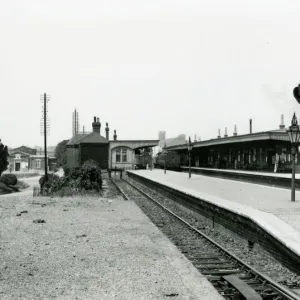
column 150, row 153
column 293, row 133
column 190, row 147
column 166, row 152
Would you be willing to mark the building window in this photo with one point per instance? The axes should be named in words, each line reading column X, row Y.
column 124, row 155
column 121, row 155
column 38, row 163
column 118, row 155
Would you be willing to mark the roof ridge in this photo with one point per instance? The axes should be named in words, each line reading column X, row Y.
column 96, row 134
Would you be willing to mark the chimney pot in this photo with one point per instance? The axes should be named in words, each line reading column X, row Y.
column 225, row 135
column 219, row 133
column 115, row 135
column 282, row 126
column 250, row 126
column 107, row 131
column 96, row 125
column 235, row 130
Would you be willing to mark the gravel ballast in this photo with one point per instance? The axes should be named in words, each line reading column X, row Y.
column 89, row 248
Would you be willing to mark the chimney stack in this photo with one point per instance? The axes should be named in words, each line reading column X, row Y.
column 235, row 130
column 107, row 131
column 225, row 135
column 250, row 126
column 115, row 135
column 282, row 126
column 219, row 133
column 96, row 125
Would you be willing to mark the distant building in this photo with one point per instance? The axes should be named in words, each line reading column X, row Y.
column 23, row 159
column 179, row 140
column 109, row 154
column 162, row 138
column 85, row 146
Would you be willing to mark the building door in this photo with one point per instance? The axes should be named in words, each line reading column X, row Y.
column 17, row 166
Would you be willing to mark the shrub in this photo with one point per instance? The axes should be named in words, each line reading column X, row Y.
column 90, row 163
column 75, row 181
column 9, row 179
column 47, row 184
column 90, row 177
column 66, row 169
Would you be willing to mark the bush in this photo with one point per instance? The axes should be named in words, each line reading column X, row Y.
column 47, row 184
column 75, row 181
column 9, row 179
column 90, row 177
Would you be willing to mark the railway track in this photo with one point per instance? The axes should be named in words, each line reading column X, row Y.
column 233, row 278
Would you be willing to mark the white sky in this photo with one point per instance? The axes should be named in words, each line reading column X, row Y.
column 144, row 66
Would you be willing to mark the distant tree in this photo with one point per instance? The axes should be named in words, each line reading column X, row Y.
column 61, row 153
column 3, row 158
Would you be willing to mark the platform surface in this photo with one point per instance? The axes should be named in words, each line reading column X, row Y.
column 91, row 248
column 269, row 207
column 270, row 174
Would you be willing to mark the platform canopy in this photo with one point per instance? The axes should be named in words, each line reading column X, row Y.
column 278, row 135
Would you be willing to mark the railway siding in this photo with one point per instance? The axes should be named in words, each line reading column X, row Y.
column 257, row 226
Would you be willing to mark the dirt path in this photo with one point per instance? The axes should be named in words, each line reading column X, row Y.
column 89, row 248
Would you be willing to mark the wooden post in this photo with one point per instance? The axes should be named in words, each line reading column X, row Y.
column 45, row 136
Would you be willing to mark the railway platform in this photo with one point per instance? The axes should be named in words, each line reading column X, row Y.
column 90, row 248
column 248, row 172
column 267, row 178
column 269, row 207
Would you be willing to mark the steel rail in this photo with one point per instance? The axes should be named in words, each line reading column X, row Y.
column 284, row 292
column 119, row 189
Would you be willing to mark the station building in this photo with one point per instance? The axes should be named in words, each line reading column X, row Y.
column 110, row 154
column 262, row 151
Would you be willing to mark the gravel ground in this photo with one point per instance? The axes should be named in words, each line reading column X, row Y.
column 258, row 258
column 87, row 248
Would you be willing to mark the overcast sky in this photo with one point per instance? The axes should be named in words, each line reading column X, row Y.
column 144, row 66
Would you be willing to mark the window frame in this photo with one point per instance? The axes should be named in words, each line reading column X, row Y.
column 118, row 155
column 121, row 155
column 124, row 154
column 38, row 163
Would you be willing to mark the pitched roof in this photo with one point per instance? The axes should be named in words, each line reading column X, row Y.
column 76, row 138
column 93, row 138
column 16, row 151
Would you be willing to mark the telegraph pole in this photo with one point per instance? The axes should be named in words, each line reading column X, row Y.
column 44, row 125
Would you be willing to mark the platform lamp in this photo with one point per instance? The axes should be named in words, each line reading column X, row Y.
column 151, row 153
column 190, row 147
column 294, row 134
